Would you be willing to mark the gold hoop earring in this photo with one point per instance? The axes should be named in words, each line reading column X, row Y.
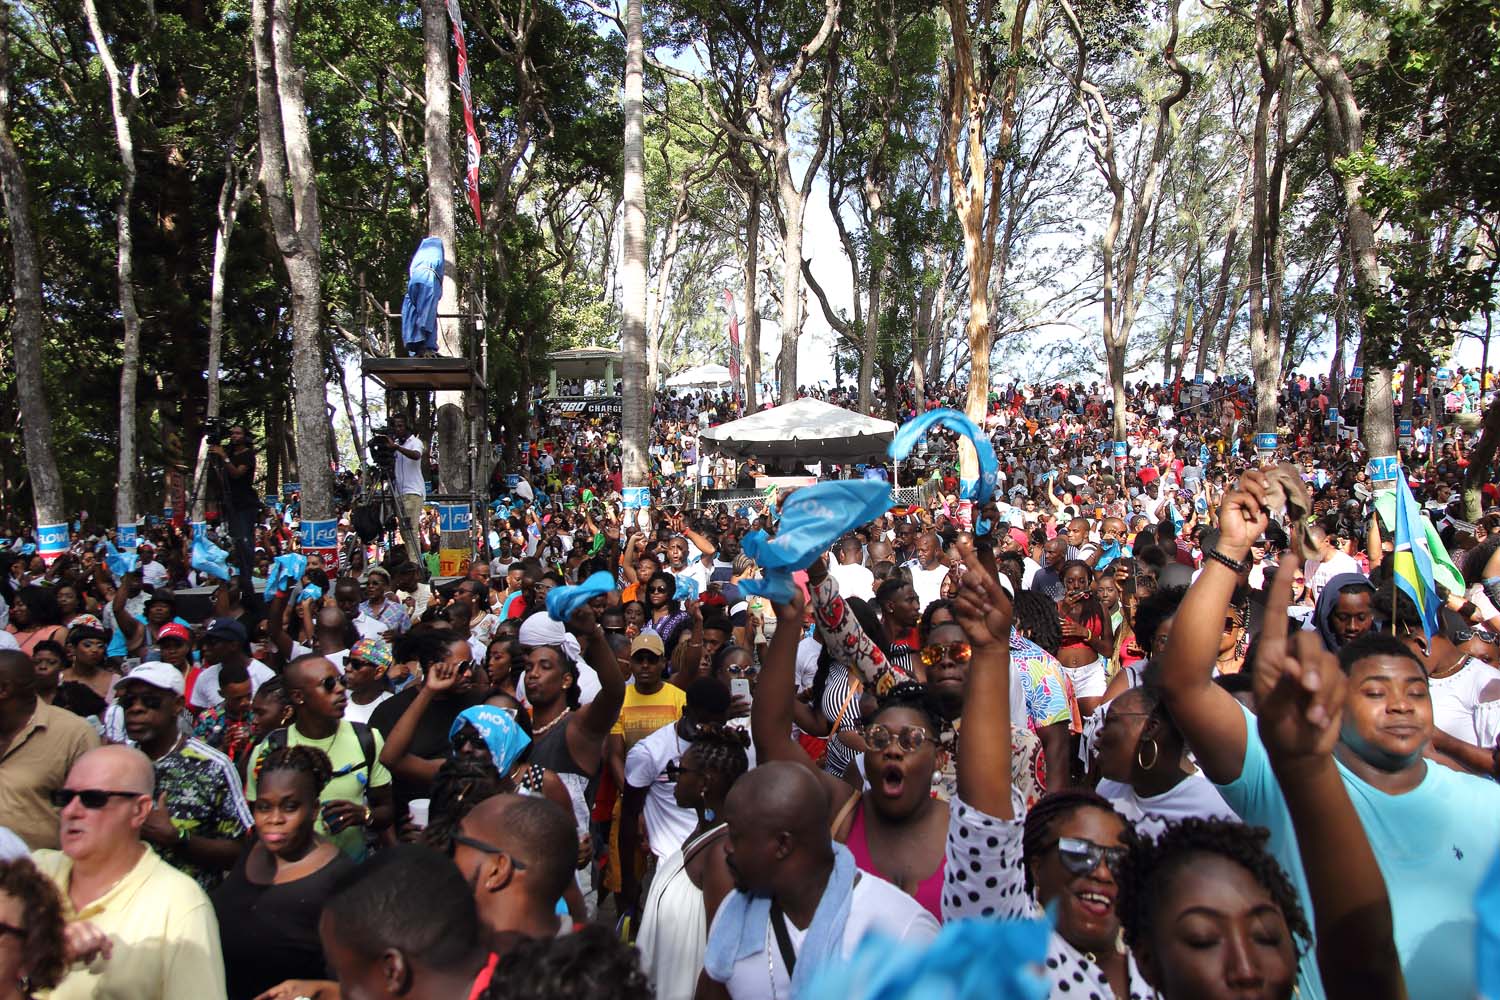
column 1155, row 755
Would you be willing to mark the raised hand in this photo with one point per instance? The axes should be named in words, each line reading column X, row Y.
column 982, row 607
column 1242, row 515
column 442, row 677
column 1299, row 687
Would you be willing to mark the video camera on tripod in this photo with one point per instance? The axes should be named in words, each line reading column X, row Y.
column 383, row 449
column 215, row 430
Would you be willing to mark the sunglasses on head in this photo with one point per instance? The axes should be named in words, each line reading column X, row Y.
column 152, row 701
column 958, row 652
column 92, row 798
column 1080, row 857
column 674, row 770
column 910, row 738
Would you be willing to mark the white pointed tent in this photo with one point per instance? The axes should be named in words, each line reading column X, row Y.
column 806, row 428
column 700, row 377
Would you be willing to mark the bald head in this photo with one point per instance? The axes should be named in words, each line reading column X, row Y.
column 781, row 797
column 115, row 766
column 541, row 834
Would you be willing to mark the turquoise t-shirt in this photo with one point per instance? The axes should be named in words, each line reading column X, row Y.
column 1434, row 845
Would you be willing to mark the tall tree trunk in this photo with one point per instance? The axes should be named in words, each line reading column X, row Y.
column 1263, row 342
column 122, row 101
column 290, row 181
column 452, row 420
column 235, row 191
column 793, row 208
column 636, row 416
column 872, row 338
column 26, row 326
column 1210, row 320
column 1342, row 119
column 752, row 300
column 658, row 296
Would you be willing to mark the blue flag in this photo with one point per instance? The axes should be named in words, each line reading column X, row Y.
column 968, row 960
column 915, row 429
column 1412, row 562
column 563, row 601
column 812, row 519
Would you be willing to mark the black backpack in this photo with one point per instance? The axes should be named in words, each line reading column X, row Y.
column 276, row 740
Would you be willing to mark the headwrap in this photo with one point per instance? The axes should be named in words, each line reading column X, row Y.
column 210, row 559
column 989, row 466
column 1328, row 599
column 812, row 519
column 499, row 731
column 563, row 601
column 544, row 630
column 376, row 652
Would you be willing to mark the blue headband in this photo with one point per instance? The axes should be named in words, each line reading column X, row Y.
column 499, row 731
column 915, row 429
column 812, row 519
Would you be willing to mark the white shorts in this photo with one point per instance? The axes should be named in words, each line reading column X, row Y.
column 1088, row 680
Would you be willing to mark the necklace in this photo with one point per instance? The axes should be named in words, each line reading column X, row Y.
column 543, row 730
column 770, row 965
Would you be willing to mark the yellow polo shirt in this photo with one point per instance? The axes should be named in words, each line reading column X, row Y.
column 165, row 936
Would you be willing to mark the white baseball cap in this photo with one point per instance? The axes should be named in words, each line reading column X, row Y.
column 158, row 675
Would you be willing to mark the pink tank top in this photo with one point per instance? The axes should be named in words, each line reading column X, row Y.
column 929, row 891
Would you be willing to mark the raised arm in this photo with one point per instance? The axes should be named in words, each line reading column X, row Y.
column 597, row 718
column 134, row 631
column 394, row 754
column 984, row 612
column 1300, row 693
column 1208, row 715
column 847, row 641
column 276, row 627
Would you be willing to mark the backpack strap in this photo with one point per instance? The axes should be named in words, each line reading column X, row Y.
column 366, row 745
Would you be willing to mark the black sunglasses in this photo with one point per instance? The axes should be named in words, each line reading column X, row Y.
column 1081, row 856
column 675, row 770
column 151, row 701
column 331, row 683
column 484, row 848
column 92, row 798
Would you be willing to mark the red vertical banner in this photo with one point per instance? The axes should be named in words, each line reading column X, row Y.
column 471, row 145
column 734, row 341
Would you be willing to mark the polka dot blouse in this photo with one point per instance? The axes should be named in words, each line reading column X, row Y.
column 984, row 878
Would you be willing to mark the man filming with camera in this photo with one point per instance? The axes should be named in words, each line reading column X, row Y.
column 409, row 486
column 241, row 504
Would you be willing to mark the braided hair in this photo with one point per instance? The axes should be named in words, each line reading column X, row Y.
column 300, row 760
column 722, row 749
column 1146, row 874
column 461, row 784
column 917, row 697
column 1038, row 834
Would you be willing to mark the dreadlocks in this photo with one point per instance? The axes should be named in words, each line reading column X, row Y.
column 461, row 784
column 1146, row 873
column 1036, row 618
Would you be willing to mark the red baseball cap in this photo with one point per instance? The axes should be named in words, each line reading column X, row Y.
column 172, row 630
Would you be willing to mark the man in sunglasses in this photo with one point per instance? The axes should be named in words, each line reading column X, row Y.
column 357, row 800
column 518, row 853
column 199, row 816
column 145, row 929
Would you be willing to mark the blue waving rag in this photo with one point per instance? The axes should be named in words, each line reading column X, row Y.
column 498, row 728
column 812, row 519
column 285, row 571
column 915, row 429
column 424, row 287
column 563, row 601
column 210, row 559
column 687, row 589
column 968, row 960
column 120, row 563
column 739, row 929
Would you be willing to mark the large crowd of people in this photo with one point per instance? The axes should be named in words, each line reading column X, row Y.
column 1206, row 735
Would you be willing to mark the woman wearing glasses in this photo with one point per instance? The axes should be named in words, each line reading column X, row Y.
column 895, row 828
column 268, row 907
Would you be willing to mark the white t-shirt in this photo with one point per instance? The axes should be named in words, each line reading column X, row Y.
column 928, row 583
column 694, row 570
column 369, row 627
column 809, row 648
column 153, row 574
column 409, row 470
column 337, row 659
column 1326, row 569
column 854, row 580
column 876, row 907
column 668, row 825
column 362, row 713
column 1456, row 698
column 206, row 687
column 1195, row 795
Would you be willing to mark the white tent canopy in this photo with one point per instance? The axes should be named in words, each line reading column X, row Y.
column 806, row 428
column 700, row 377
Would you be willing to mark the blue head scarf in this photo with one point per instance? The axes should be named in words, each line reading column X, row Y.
column 913, row 430
column 812, row 519
column 499, row 731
